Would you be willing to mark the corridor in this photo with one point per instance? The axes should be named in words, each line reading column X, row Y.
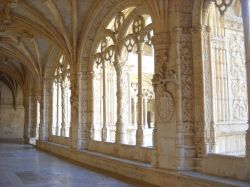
column 23, row 165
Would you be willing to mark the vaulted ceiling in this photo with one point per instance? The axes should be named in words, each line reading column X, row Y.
column 31, row 30
column 35, row 33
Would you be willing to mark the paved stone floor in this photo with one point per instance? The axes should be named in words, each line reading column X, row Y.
column 23, row 165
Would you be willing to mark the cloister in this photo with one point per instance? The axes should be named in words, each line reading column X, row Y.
column 154, row 90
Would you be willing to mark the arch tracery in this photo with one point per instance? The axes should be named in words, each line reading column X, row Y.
column 129, row 32
column 223, row 40
column 61, row 99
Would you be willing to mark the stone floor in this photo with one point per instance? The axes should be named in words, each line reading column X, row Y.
column 23, row 165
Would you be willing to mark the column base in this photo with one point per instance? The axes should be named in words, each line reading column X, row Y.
column 63, row 132
column 104, row 134
column 248, row 144
column 139, row 137
column 120, row 135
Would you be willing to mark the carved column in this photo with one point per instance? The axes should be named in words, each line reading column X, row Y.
column 202, row 77
column 184, row 97
column 45, row 99
column 75, row 129
column 139, row 131
column 246, row 22
column 120, row 124
column 104, row 102
column 63, row 127
column 45, row 112
column 85, row 95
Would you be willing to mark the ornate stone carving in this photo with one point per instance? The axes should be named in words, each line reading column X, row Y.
column 238, row 77
column 138, row 24
column 166, row 106
column 119, row 19
column 5, row 15
column 222, row 5
column 186, row 77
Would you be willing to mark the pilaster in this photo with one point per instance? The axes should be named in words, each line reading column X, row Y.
column 163, row 116
column 203, row 113
column 245, row 4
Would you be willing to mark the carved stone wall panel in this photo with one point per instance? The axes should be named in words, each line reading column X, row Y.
column 238, row 76
column 186, row 76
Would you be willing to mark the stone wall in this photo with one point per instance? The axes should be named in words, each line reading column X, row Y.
column 11, row 119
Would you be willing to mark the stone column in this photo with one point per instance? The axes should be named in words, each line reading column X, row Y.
column 214, row 93
column 104, row 102
column 134, row 111
column 44, row 97
column 120, row 124
column 246, row 22
column 84, row 128
column 139, row 131
column 57, row 130
column 45, row 107
column 91, row 119
column 34, row 126
column 48, row 109
column 63, row 127
column 27, row 120
column 145, row 110
column 155, row 153
column 40, row 97
column 74, row 102
column 173, row 86
column 161, row 51
column 202, row 109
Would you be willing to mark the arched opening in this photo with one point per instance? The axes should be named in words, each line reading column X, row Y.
column 11, row 110
column 228, row 80
column 61, row 99
column 124, row 106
